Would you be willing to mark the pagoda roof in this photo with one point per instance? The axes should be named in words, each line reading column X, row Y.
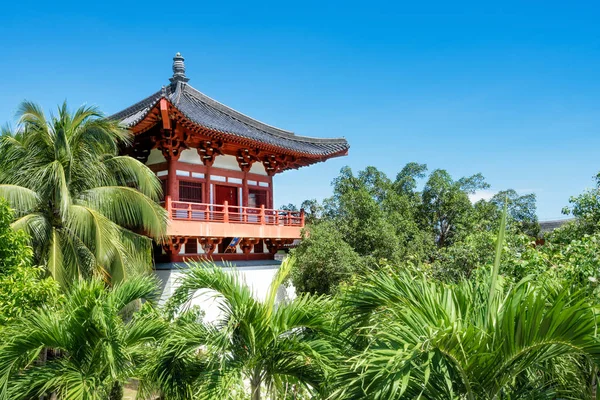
column 208, row 113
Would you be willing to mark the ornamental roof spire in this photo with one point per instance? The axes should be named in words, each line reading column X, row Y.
column 178, row 69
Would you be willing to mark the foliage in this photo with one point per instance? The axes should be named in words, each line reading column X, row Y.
column 445, row 208
column 91, row 346
column 356, row 211
column 323, row 260
column 273, row 348
column 86, row 208
column 391, row 222
column 586, row 209
column 476, row 339
column 22, row 286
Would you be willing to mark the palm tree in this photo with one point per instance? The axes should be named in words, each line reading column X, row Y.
column 98, row 348
column 88, row 210
column 416, row 338
column 282, row 348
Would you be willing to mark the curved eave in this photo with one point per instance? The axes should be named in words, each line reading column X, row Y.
column 145, row 116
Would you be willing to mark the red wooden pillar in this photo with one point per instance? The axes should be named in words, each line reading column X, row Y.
column 207, row 185
column 172, row 189
column 270, row 200
column 245, row 189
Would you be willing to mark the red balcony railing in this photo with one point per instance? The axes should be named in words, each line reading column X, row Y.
column 203, row 212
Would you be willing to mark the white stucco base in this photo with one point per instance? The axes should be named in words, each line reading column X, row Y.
column 256, row 274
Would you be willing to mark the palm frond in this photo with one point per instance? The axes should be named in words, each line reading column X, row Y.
column 130, row 171
column 128, row 208
column 21, row 199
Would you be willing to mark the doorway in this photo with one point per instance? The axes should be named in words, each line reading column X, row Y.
column 227, row 194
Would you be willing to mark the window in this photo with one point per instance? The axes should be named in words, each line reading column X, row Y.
column 190, row 191
column 191, row 246
column 256, row 198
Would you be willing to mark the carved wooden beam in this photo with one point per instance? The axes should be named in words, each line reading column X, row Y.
column 274, row 245
column 247, row 157
column 275, row 163
column 141, row 148
column 247, row 244
column 164, row 113
column 171, row 143
column 208, row 150
column 209, row 245
column 173, row 244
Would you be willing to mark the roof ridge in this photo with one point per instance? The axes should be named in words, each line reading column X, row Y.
column 278, row 131
column 140, row 105
column 217, row 104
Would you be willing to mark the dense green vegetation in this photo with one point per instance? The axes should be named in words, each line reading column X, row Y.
column 372, row 221
column 406, row 288
column 83, row 205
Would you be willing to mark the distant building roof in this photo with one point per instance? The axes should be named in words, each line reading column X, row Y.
column 210, row 114
column 549, row 226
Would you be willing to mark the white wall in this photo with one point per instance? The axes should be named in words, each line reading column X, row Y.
column 155, row 157
column 258, row 278
column 191, row 156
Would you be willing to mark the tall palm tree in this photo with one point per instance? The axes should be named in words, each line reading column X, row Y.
column 99, row 349
column 88, row 210
column 416, row 338
column 278, row 348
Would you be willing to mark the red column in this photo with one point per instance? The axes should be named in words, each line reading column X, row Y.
column 245, row 190
column 172, row 189
column 207, row 185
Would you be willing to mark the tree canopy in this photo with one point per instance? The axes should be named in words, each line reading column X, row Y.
column 416, row 219
column 87, row 209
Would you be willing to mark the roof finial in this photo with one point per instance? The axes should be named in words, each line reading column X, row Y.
column 178, row 69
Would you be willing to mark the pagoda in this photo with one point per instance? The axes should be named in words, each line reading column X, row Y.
column 216, row 166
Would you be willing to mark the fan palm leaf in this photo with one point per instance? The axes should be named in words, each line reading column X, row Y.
column 412, row 337
column 268, row 346
column 88, row 210
column 98, row 347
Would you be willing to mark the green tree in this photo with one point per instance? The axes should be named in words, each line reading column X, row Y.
column 95, row 348
column 313, row 211
column 323, row 260
column 446, row 209
column 87, row 209
column 586, row 209
column 521, row 210
column 477, row 339
column 22, row 286
column 274, row 348
column 356, row 210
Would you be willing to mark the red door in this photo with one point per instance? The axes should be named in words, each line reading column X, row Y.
column 230, row 195
column 226, row 194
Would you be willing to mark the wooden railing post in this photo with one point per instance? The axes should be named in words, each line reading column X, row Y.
column 289, row 218
column 225, row 211
column 189, row 211
column 168, row 205
column 262, row 214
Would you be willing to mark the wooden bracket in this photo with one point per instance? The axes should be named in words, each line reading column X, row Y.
column 247, row 244
column 171, row 143
column 209, row 245
column 173, row 244
column 246, row 158
column 208, row 150
column 274, row 245
column 164, row 114
column 277, row 163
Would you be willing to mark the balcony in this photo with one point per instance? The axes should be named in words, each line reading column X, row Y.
column 216, row 220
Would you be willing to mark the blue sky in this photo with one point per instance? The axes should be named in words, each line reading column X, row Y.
column 510, row 90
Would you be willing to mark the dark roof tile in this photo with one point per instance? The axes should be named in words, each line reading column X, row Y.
column 206, row 112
